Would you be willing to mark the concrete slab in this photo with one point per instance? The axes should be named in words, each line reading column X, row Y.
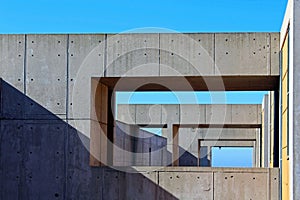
column 112, row 184
column 141, row 185
column 46, row 72
column 132, row 55
column 86, row 59
column 12, row 152
column 80, row 177
column 275, row 55
column 188, row 185
column 240, row 186
column 12, row 101
column 196, row 114
column 274, row 184
column 186, row 54
column 148, row 114
column 218, row 114
column 227, row 133
column 224, row 143
column 246, row 114
column 170, row 114
column 126, row 113
column 12, row 53
column 44, row 159
column 242, row 53
column 192, row 114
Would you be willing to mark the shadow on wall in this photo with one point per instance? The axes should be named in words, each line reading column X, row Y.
column 137, row 147
column 42, row 157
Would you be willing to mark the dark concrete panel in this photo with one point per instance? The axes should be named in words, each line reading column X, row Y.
column 11, row 151
column 44, row 159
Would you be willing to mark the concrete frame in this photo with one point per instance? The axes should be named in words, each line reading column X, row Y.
column 63, row 57
column 187, row 116
column 213, row 142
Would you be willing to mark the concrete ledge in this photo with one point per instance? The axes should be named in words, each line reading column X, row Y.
column 214, row 183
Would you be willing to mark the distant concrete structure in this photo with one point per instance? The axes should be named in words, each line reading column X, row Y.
column 241, row 126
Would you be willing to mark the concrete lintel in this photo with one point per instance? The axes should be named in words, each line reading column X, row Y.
column 236, row 116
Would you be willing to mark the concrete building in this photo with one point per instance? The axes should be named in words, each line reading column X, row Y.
column 64, row 137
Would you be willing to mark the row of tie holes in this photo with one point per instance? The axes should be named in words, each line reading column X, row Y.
column 146, row 54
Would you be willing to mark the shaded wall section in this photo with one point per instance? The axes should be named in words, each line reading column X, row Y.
column 47, row 159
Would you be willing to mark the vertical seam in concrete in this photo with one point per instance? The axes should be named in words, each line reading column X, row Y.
column 214, row 54
column 270, row 59
column 159, row 54
column 67, row 81
column 66, row 136
column 25, row 64
column 105, row 56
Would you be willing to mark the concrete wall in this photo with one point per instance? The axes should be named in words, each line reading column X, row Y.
column 245, row 115
column 46, row 101
column 47, row 159
column 214, row 183
column 291, row 172
column 137, row 147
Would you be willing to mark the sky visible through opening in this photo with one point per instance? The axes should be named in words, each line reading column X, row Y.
column 221, row 157
column 232, row 157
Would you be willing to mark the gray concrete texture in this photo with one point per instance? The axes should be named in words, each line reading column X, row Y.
column 155, row 114
column 46, row 159
column 29, row 62
column 146, row 114
column 218, row 183
column 295, row 96
column 41, row 74
column 137, row 147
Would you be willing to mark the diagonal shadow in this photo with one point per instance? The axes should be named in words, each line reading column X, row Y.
column 43, row 157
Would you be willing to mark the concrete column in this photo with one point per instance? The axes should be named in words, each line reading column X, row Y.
column 175, row 145
column 258, row 148
column 294, row 118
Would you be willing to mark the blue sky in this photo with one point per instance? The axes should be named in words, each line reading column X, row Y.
column 95, row 16
column 114, row 16
column 228, row 157
column 253, row 97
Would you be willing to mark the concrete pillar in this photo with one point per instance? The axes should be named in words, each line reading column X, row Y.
column 257, row 148
column 265, row 132
column 294, row 118
column 175, row 145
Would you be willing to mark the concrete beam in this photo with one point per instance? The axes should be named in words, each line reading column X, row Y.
column 191, row 54
column 196, row 114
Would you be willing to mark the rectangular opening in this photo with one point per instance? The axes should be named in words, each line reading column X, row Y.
column 147, row 121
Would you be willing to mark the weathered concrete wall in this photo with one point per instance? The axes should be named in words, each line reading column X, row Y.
column 217, row 183
column 47, row 159
column 45, row 106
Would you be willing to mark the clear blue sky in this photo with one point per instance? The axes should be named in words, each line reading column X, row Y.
column 114, row 16
column 90, row 16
